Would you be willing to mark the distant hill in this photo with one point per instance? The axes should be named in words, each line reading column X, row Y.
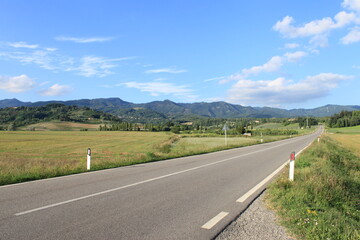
column 25, row 115
column 162, row 110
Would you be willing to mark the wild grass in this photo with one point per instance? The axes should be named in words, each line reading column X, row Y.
column 324, row 200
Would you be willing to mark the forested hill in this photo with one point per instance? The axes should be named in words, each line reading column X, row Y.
column 19, row 116
column 160, row 110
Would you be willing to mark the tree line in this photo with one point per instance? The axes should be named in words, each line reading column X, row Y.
column 10, row 118
column 345, row 119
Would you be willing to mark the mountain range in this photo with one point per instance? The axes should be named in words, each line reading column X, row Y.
column 162, row 110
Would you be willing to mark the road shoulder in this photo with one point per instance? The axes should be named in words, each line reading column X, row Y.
column 256, row 223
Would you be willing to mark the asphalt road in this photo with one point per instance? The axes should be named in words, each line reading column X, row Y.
column 185, row 198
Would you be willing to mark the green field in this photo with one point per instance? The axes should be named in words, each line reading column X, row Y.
column 277, row 126
column 280, row 126
column 346, row 130
column 60, row 126
column 323, row 201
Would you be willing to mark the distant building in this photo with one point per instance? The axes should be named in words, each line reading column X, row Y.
column 187, row 123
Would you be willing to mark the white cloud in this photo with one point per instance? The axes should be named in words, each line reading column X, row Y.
column 282, row 91
column 291, row 45
column 51, row 49
column 161, row 88
column 286, row 28
column 51, row 59
column 97, row 66
column 214, row 79
column 320, row 40
column 352, row 37
column 22, row 45
column 318, row 30
column 273, row 65
column 55, row 90
column 39, row 57
column 352, row 5
column 16, row 84
column 343, row 18
column 295, row 56
column 45, row 59
column 83, row 40
column 166, row 70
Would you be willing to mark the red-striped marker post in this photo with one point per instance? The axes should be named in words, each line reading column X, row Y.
column 292, row 166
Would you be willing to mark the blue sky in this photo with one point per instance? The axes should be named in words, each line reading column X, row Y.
column 280, row 53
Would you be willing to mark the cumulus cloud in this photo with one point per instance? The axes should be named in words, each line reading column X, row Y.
column 318, row 30
column 161, row 88
column 316, row 27
column 55, row 90
column 352, row 5
column 352, row 37
column 83, row 40
column 286, row 28
column 166, row 70
column 273, row 65
column 295, row 56
column 16, row 84
column 283, row 91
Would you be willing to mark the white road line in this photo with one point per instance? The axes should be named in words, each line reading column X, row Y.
column 141, row 182
column 263, row 182
column 214, row 220
column 257, row 187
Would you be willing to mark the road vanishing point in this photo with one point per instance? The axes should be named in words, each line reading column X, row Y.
column 185, row 198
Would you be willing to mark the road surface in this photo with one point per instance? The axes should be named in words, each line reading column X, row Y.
column 185, row 198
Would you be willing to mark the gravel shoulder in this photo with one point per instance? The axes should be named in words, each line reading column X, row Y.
column 256, row 223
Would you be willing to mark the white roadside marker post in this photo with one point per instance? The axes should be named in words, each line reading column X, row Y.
column 262, row 140
column 292, row 166
column 225, row 138
column 88, row 159
column 318, row 139
column 225, row 128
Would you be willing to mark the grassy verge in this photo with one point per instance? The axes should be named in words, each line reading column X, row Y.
column 324, row 200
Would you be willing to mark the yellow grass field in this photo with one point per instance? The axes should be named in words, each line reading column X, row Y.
column 32, row 155
column 351, row 142
column 27, row 155
column 349, row 137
